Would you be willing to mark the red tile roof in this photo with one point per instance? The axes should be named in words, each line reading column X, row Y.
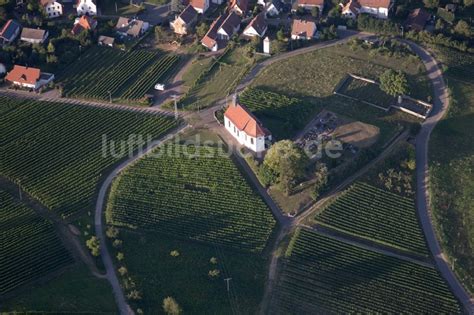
column 375, row 3
column 243, row 119
column 22, row 74
column 84, row 23
column 303, row 28
column 199, row 4
column 310, row 2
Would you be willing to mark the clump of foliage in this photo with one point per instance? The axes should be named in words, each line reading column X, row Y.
column 288, row 161
column 394, row 82
column 171, row 307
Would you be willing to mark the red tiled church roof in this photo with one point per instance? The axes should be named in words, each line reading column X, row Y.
column 243, row 119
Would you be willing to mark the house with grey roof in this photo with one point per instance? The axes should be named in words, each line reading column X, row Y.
column 9, row 32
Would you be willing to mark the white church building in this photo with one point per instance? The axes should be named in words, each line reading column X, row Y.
column 246, row 128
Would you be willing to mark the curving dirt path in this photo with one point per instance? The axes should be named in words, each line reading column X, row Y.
column 111, row 275
column 441, row 103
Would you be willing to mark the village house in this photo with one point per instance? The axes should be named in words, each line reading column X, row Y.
column 131, row 27
column 310, row 4
column 303, row 29
column 106, row 41
column 377, row 8
column 200, row 6
column 84, row 23
column 52, row 8
column 221, row 30
column 273, row 7
column 417, row 19
column 257, row 27
column 184, row 22
column 9, row 32
column 245, row 127
column 29, row 78
column 239, row 6
column 86, row 7
column 33, row 35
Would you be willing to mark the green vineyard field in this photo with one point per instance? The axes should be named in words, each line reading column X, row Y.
column 55, row 151
column 376, row 214
column 202, row 198
column 102, row 73
column 29, row 246
column 326, row 276
column 282, row 114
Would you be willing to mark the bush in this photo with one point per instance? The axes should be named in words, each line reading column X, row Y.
column 171, row 307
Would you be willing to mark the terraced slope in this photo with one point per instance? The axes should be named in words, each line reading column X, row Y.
column 58, row 152
column 191, row 193
column 29, row 246
column 323, row 275
column 378, row 215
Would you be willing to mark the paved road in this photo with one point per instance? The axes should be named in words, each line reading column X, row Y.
column 441, row 102
column 120, row 299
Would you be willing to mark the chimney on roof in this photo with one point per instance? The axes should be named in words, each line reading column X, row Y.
column 235, row 99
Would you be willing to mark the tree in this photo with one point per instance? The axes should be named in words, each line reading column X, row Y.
column 394, row 83
column 112, row 232
column 214, row 273
column 120, row 256
column 431, row 4
column 320, row 180
column 281, row 35
column 122, row 271
column 51, row 48
column 462, row 28
column 468, row 3
column 174, row 253
column 315, row 12
column 202, row 29
column 158, row 32
column 177, row 6
column 288, row 161
column 213, row 260
column 94, row 246
column 117, row 243
column 171, row 307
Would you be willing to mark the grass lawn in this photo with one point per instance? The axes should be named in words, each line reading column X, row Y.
column 312, row 78
column 220, row 81
column 74, row 291
column 109, row 8
column 451, row 156
column 366, row 91
column 198, row 66
column 157, row 275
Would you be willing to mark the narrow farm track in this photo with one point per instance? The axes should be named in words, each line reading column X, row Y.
column 120, row 299
column 77, row 102
column 441, row 104
column 350, row 240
